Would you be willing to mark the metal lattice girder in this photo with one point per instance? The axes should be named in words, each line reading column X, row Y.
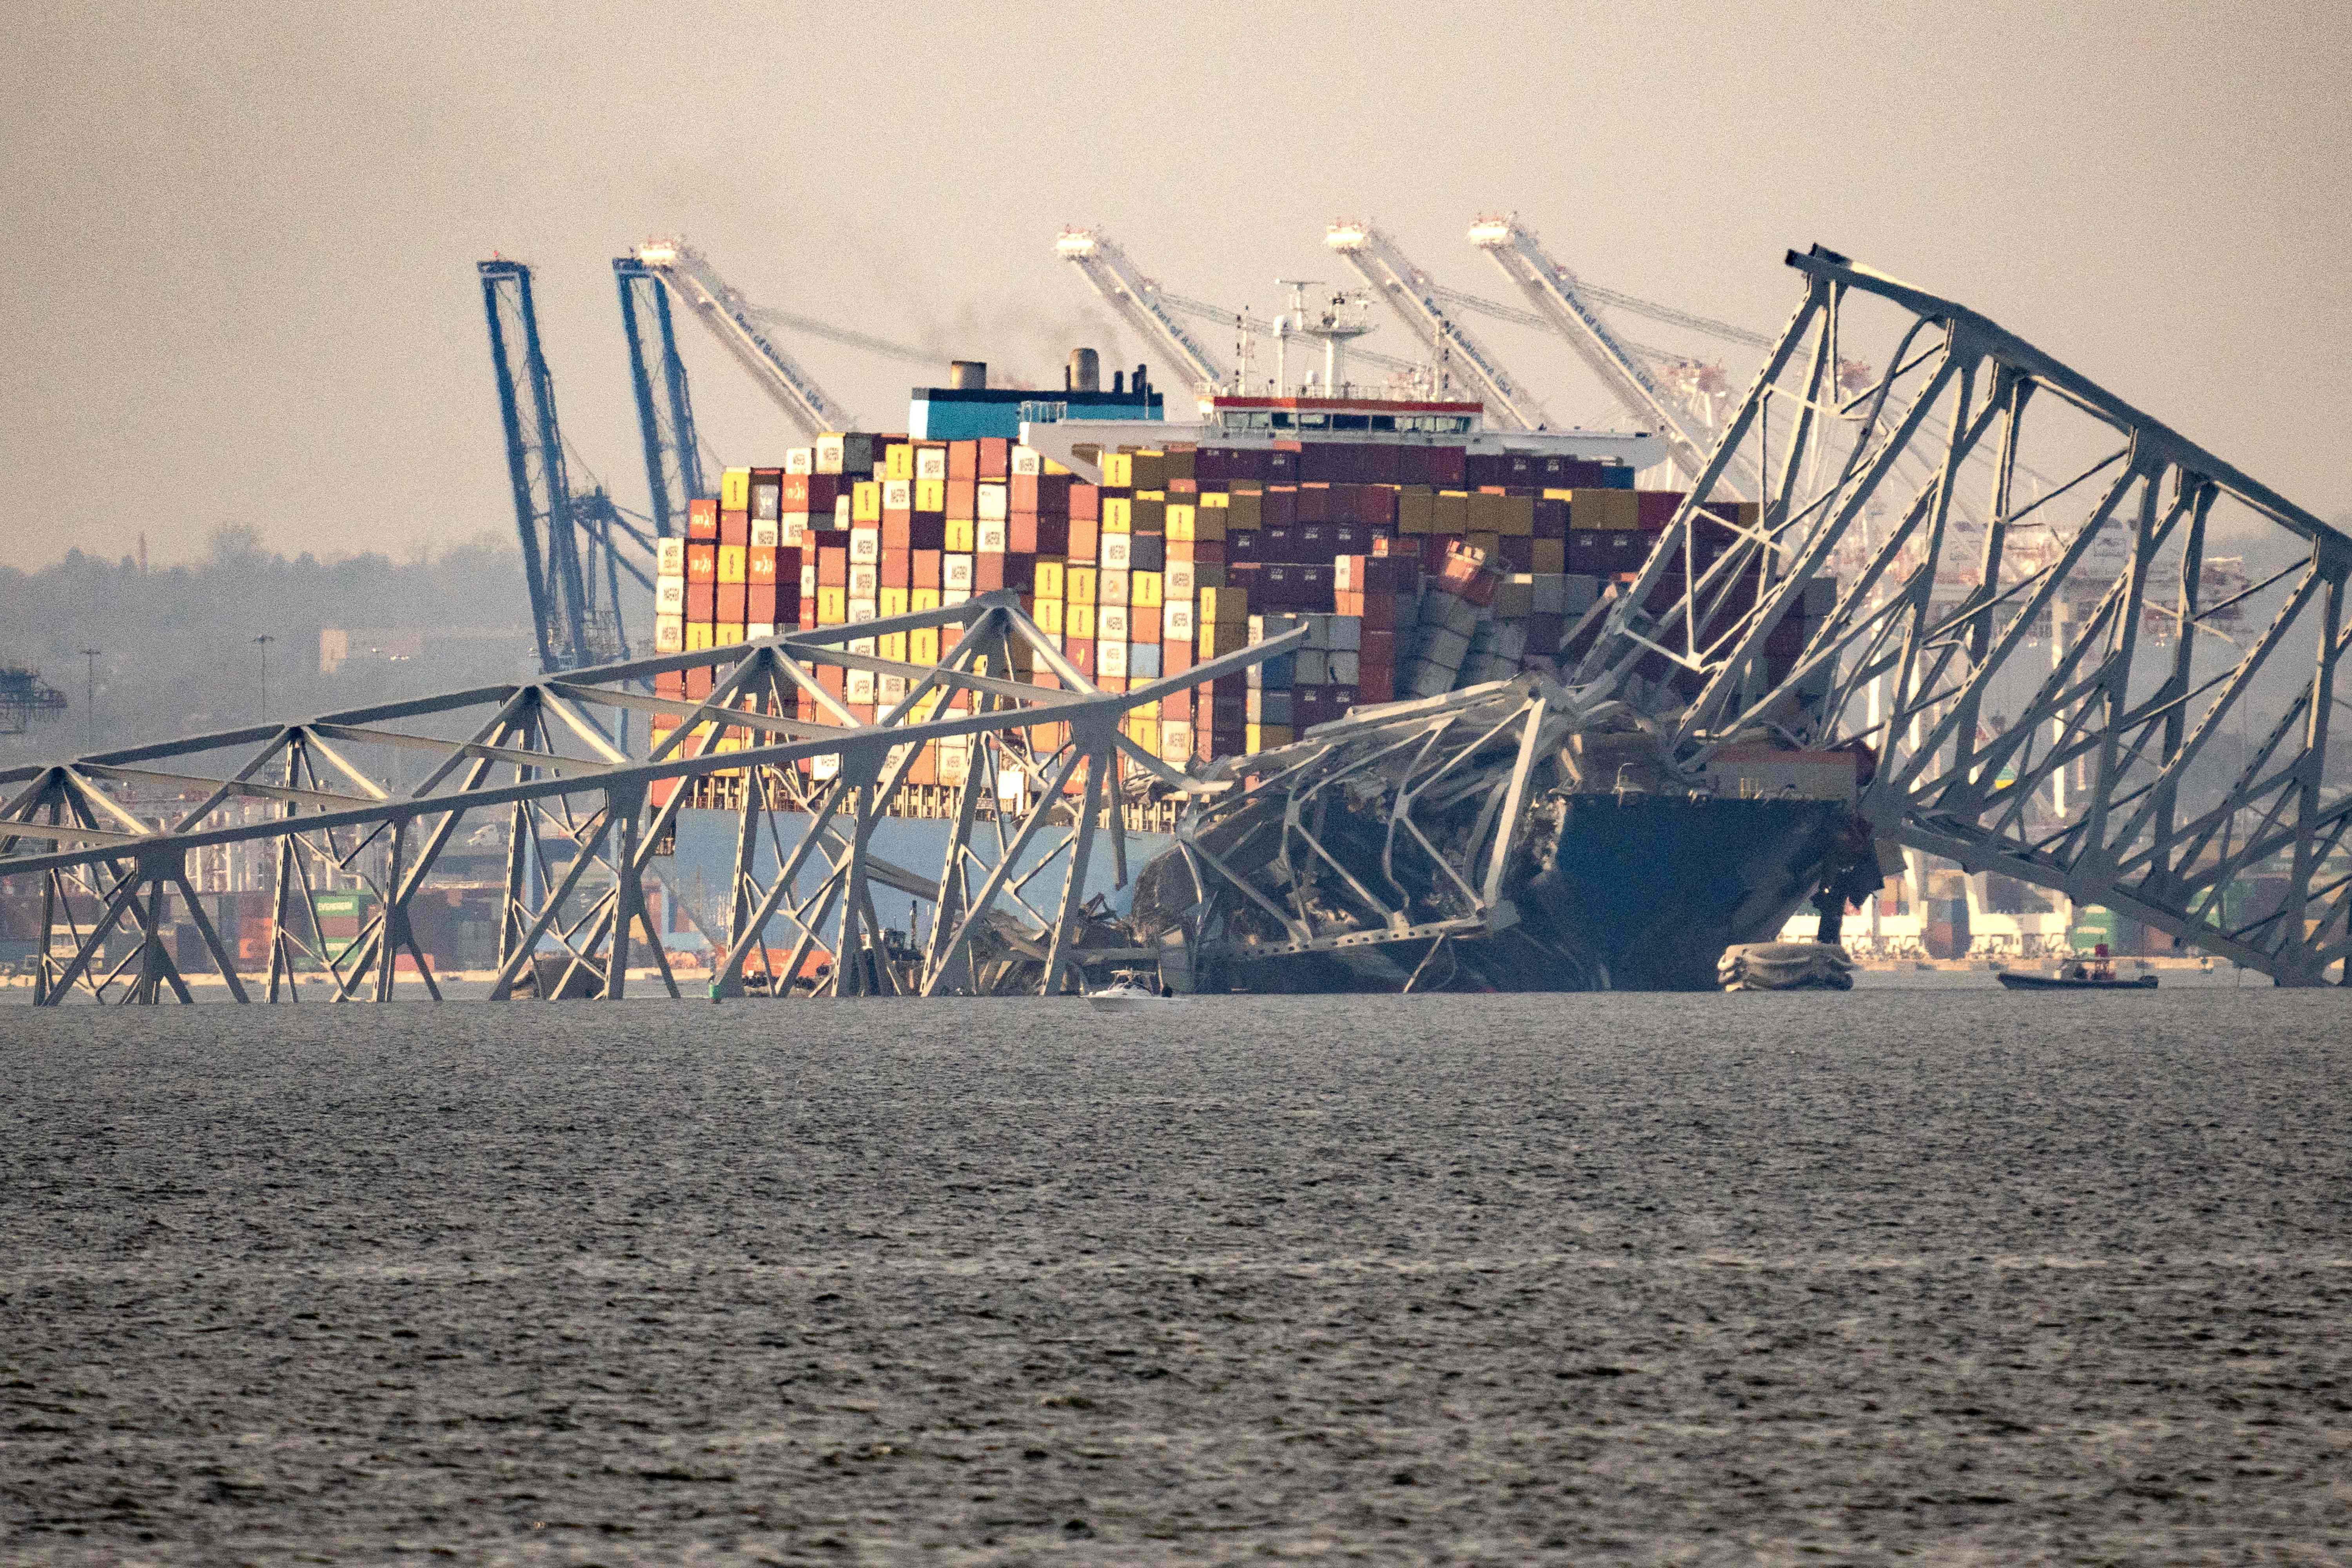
column 2052, row 686
column 538, row 759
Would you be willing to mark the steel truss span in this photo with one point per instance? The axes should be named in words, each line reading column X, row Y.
column 582, row 821
column 2086, row 653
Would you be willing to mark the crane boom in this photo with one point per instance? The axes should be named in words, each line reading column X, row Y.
column 665, row 413
column 1140, row 304
column 1552, row 290
column 732, row 320
column 1413, row 298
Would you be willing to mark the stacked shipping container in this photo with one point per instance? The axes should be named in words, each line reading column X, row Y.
column 1416, row 569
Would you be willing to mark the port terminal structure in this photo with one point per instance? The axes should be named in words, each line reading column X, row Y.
column 583, row 820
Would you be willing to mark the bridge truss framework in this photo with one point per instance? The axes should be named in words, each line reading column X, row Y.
column 583, row 820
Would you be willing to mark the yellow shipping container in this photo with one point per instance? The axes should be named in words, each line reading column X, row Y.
column 899, row 462
column 930, row 495
column 1119, row 470
column 1548, row 555
column 1078, row 621
column 923, row 643
column 1223, row 636
column 735, row 490
column 734, row 564
column 1118, row 515
column 1179, row 522
column 866, row 500
column 697, row 635
column 833, row 607
column 921, row 599
column 1518, row 520
column 1047, row 613
column 892, row 644
column 1485, row 513
column 727, row 634
column 1079, row 587
column 1224, row 606
column 1416, row 510
column 890, row 602
column 1143, row 590
column 1244, row 508
column 1483, row 541
column 961, row 532
column 1264, row 737
column 1049, row 579
column 1613, row 509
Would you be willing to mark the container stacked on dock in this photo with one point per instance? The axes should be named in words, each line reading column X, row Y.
column 1416, row 569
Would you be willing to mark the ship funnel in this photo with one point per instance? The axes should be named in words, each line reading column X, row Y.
column 968, row 374
column 1085, row 371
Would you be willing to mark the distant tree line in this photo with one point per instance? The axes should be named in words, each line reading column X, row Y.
column 177, row 651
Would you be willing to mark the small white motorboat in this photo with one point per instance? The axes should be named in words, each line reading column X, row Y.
column 1129, row 992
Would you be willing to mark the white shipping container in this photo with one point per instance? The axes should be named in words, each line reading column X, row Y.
column 858, row 685
column 829, row 455
column 669, row 597
column 1111, row 624
column 1175, row 741
column 955, row 572
column 669, row 633
column 1028, row 460
column 861, row 645
column 669, row 557
column 897, row 495
column 865, row 583
column 989, row 538
column 863, row 610
column 1180, row 579
column 950, row 597
column 841, row 511
column 767, row 531
column 865, row 546
column 932, row 463
column 892, row 688
column 993, row 503
column 808, row 581
column 755, row 630
column 1178, row 622
column 799, row 459
column 1118, row 550
column 794, row 528
column 1110, row 657
column 826, row 767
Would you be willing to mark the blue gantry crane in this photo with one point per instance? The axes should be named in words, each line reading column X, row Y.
column 674, row 473
column 575, row 547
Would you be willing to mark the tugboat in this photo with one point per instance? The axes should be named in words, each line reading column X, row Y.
column 2096, row 973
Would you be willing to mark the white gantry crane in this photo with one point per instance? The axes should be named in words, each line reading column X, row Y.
column 1415, row 299
column 1151, row 311
column 1560, row 304
column 736, row 323
column 1141, row 305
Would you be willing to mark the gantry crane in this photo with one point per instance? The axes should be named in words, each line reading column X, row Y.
column 1150, row 310
column 665, row 412
column 736, row 323
column 568, row 558
column 1553, row 290
column 1414, row 298
column 1141, row 305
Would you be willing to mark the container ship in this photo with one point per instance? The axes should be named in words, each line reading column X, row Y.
column 1440, row 569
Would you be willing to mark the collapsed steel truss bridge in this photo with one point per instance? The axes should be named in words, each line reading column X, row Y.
column 1043, row 783
column 2052, row 689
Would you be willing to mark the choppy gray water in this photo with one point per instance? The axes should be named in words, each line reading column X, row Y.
column 1679, row 1278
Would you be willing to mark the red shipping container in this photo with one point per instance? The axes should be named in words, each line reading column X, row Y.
column 1177, row 704
column 1518, row 554
column 1085, row 535
column 995, row 457
column 1444, row 467
column 963, row 460
column 1081, row 652
column 760, row 565
column 732, row 598
column 963, row 496
column 898, row 568
column 1175, row 659
column 1278, row 506
column 1378, row 651
column 1314, row 504
column 697, row 683
column 897, row 530
column 1655, row 508
column 701, row 602
column 670, row 683
column 701, row 561
column 702, row 518
column 925, row 572
column 1086, row 501
column 1376, row 684
column 734, row 528
column 760, row 604
column 987, row 573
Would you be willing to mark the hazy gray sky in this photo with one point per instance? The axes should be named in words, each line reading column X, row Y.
column 243, row 235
